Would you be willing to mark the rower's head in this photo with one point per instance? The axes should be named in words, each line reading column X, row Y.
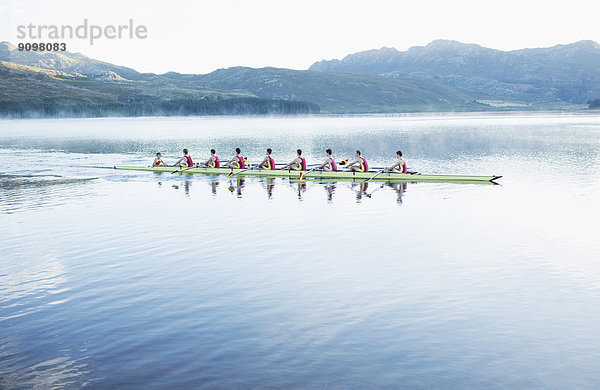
column 269, row 151
column 185, row 151
column 399, row 153
column 212, row 151
column 357, row 153
column 299, row 151
column 238, row 150
column 158, row 154
column 329, row 152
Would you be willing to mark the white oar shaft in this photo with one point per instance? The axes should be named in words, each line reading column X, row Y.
column 374, row 176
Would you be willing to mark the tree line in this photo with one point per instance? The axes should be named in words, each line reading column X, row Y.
column 140, row 106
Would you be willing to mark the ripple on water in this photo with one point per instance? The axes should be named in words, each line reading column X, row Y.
column 19, row 192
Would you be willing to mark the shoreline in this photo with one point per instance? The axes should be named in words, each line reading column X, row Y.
column 532, row 113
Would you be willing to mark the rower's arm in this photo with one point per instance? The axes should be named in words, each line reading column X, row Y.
column 294, row 161
column 322, row 166
column 399, row 164
column 180, row 160
column 391, row 167
column 353, row 163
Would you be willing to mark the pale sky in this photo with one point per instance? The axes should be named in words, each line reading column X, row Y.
column 201, row 36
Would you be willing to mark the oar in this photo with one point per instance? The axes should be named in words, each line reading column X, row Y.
column 378, row 168
column 407, row 173
column 243, row 170
column 308, row 165
column 302, row 175
column 183, row 170
column 374, row 176
column 394, row 171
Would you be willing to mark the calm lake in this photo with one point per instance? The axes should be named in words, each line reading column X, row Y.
column 125, row 279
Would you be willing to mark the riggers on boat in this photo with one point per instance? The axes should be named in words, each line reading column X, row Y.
column 325, row 175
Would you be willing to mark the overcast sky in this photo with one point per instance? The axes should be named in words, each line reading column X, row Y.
column 204, row 35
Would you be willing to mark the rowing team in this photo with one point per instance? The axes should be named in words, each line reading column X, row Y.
column 359, row 164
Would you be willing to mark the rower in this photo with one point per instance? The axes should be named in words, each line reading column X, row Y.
column 237, row 161
column 185, row 161
column 297, row 164
column 399, row 165
column 158, row 161
column 358, row 165
column 268, row 162
column 329, row 164
column 213, row 161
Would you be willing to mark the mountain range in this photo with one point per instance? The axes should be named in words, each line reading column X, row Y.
column 568, row 73
column 442, row 76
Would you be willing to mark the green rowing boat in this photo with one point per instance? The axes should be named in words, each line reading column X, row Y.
column 326, row 175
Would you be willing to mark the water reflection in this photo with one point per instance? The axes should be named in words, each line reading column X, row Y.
column 399, row 189
column 329, row 190
column 299, row 187
column 214, row 185
column 360, row 189
column 238, row 185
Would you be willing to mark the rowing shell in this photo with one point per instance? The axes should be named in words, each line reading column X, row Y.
column 330, row 175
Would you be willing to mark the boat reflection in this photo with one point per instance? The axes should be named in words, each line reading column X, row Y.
column 186, row 186
column 399, row 188
column 329, row 189
column 214, row 186
column 239, row 184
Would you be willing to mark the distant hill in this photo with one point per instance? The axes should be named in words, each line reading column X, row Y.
column 70, row 84
column 73, row 63
column 568, row 73
column 64, row 84
column 27, row 91
column 334, row 92
column 442, row 76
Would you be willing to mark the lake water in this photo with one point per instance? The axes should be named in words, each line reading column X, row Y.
column 126, row 279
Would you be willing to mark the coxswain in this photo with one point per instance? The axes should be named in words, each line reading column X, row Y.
column 297, row 164
column 268, row 162
column 358, row 165
column 237, row 161
column 158, row 161
column 213, row 161
column 399, row 165
column 329, row 164
column 185, row 161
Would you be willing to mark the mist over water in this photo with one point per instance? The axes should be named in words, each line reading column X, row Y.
column 113, row 279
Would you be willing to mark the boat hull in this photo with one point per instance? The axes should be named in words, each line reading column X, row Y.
column 325, row 175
